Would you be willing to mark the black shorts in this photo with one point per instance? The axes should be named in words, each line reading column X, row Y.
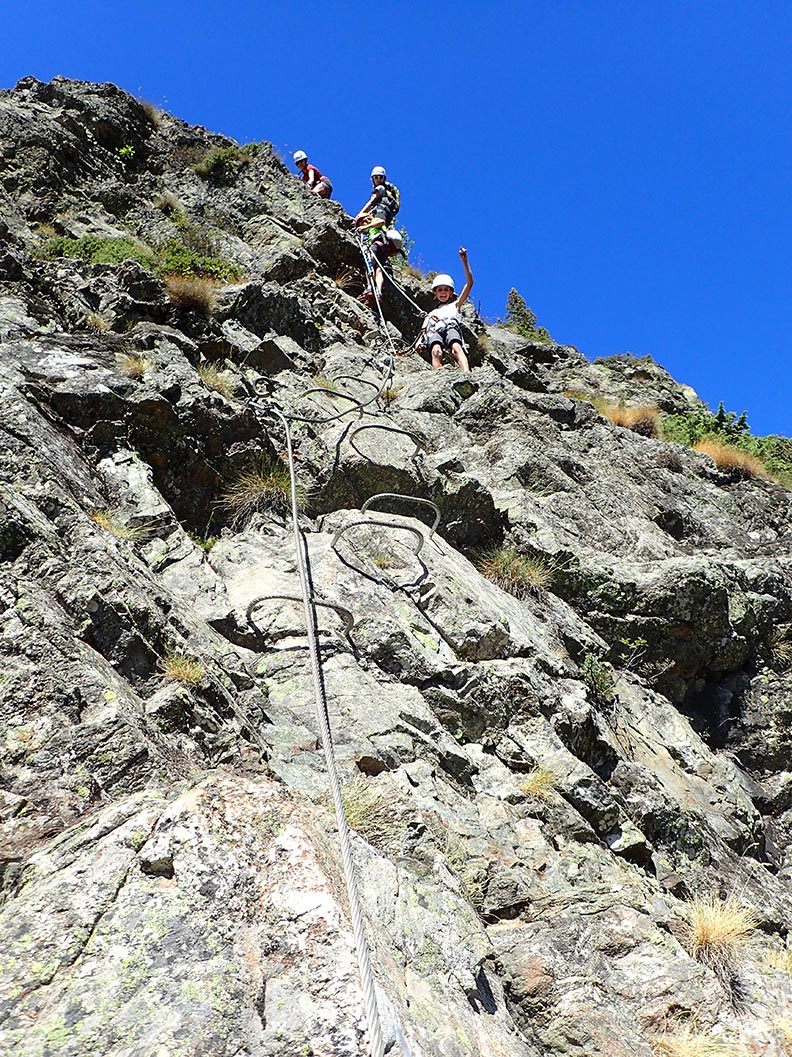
column 444, row 337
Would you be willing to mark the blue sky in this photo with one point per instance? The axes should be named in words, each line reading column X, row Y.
column 625, row 165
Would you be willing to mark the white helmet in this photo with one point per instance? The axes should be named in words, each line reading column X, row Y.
column 378, row 170
column 442, row 280
column 299, row 155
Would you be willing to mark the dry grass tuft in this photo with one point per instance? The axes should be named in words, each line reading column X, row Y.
column 784, row 1029
column 322, row 381
column 687, row 1043
column 780, row 960
column 539, row 783
column 264, row 485
column 717, row 928
column 350, row 280
column 197, row 292
column 154, row 114
column 371, row 812
column 519, row 574
column 96, row 322
column 727, row 457
column 389, row 396
column 644, row 420
column 182, row 668
column 213, row 378
column 779, row 649
column 134, row 365
column 167, row 203
column 111, row 521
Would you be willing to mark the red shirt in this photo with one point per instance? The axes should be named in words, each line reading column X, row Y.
column 311, row 175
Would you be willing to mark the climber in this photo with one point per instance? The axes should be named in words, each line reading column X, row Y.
column 385, row 199
column 384, row 243
column 442, row 327
column 320, row 185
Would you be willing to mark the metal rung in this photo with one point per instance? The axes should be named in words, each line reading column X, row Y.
column 406, row 499
column 343, row 612
column 331, row 392
column 354, row 378
column 380, row 524
column 419, row 444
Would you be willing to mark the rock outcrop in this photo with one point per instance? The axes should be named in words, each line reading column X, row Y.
column 546, row 786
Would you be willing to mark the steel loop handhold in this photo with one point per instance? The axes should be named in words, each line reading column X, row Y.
column 407, row 499
column 419, row 444
column 343, row 612
column 380, row 524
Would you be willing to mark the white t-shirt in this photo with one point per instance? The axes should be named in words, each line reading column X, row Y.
column 446, row 312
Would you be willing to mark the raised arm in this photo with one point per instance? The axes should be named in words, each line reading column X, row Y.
column 468, row 278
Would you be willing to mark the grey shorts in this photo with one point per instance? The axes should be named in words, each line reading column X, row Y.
column 325, row 188
column 444, row 337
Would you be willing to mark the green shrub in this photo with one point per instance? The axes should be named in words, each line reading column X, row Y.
column 223, row 164
column 176, row 259
column 98, row 249
column 727, row 427
column 522, row 320
column 169, row 258
column 599, row 681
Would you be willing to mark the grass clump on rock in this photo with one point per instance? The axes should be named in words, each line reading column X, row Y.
column 728, row 434
column 215, row 379
column 687, row 1042
column 263, row 485
column 222, row 165
column 371, row 813
column 182, row 668
column 717, row 928
column 519, row 574
column 728, row 457
column 134, row 365
column 539, row 783
column 111, row 521
column 644, row 419
column 195, row 292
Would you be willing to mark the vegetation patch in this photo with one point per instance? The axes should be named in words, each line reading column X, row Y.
column 686, row 1042
column 223, row 164
column 599, row 681
column 263, row 485
column 521, row 320
column 716, row 931
column 728, row 457
column 727, row 428
column 113, row 522
column 215, row 379
column 98, row 249
column 519, row 574
column 372, row 812
column 539, row 783
column 134, row 365
column 644, row 420
column 194, row 292
column 167, row 259
column 182, row 668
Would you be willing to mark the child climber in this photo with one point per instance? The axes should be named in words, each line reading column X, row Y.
column 442, row 327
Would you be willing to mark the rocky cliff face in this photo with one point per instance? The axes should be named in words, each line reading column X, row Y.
column 549, row 786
